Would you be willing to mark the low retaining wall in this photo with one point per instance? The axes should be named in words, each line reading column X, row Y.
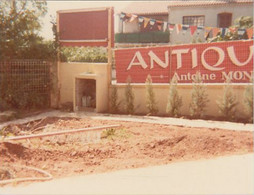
column 162, row 93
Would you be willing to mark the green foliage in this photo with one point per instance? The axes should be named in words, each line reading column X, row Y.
column 129, row 97
column 243, row 22
column 19, row 30
column 174, row 100
column 248, row 100
column 115, row 134
column 83, row 54
column 199, row 97
column 227, row 103
column 109, row 133
column 25, row 87
column 150, row 97
column 114, row 100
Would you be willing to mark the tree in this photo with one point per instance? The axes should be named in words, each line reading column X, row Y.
column 150, row 96
column 227, row 103
column 19, row 29
column 129, row 97
column 114, row 100
column 248, row 100
column 199, row 97
column 174, row 100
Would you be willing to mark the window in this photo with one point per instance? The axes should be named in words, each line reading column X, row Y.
column 224, row 20
column 194, row 20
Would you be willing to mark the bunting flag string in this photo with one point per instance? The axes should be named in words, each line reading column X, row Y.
column 215, row 31
column 250, row 33
column 171, row 27
column 133, row 18
column 146, row 21
column 178, row 28
column 164, row 26
column 193, row 29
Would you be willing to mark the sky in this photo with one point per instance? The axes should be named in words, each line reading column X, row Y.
column 54, row 6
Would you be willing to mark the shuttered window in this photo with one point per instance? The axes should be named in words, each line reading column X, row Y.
column 224, row 20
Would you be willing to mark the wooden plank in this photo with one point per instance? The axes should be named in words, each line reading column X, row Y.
column 61, row 132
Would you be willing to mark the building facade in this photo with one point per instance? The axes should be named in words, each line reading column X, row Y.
column 220, row 14
column 214, row 14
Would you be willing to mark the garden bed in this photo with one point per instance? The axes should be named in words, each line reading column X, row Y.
column 132, row 145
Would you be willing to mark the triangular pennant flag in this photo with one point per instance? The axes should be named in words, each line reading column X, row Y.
column 193, row 29
column 133, row 17
column 159, row 24
column 122, row 16
column 178, row 28
column 199, row 29
column 152, row 22
column 241, row 31
column 165, row 25
column 207, row 31
column 232, row 29
column 140, row 19
column 223, row 31
column 185, row 28
column 146, row 20
column 128, row 15
column 215, row 31
column 171, row 27
column 250, row 33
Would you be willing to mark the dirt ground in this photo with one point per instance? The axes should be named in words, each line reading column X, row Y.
column 132, row 145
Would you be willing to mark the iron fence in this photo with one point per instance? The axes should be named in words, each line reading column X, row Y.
column 25, row 83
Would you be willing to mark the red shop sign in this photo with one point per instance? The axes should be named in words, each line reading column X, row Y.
column 215, row 61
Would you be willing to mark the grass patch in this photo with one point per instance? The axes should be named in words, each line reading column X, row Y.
column 112, row 134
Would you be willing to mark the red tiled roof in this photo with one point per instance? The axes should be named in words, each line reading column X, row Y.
column 161, row 7
column 147, row 7
column 209, row 3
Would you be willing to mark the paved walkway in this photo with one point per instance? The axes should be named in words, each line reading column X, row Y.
column 148, row 119
column 224, row 175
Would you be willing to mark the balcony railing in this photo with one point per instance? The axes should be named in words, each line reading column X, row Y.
column 142, row 37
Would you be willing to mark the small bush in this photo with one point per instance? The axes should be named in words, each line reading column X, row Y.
column 129, row 97
column 227, row 103
column 248, row 100
column 115, row 134
column 150, row 97
column 174, row 100
column 199, row 97
column 83, row 54
column 114, row 108
column 109, row 133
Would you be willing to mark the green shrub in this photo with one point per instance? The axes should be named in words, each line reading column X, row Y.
column 174, row 100
column 199, row 97
column 248, row 100
column 129, row 97
column 227, row 103
column 83, row 54
column 112, row 134
column 114, row 108
column 150, row 97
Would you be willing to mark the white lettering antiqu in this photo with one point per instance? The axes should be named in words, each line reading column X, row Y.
column 138, row 59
